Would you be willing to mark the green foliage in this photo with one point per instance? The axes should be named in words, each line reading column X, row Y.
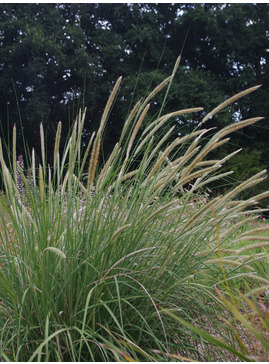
column 248, row 320
column 57, row 58
column 246, row 163
column 89, row 262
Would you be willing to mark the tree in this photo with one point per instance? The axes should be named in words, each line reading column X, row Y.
column 57, row 58
column 39, row 49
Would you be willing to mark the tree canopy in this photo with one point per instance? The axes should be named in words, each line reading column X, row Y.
column 58, row 58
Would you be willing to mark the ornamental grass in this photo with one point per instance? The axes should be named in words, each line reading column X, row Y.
column 94, row 255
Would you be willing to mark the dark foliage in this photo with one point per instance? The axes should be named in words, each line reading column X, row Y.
column 57, row 58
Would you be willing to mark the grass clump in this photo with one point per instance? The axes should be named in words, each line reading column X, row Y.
column 247, row 317
column 89, row 267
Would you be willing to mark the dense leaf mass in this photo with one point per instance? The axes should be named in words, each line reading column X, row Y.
column 58, row 58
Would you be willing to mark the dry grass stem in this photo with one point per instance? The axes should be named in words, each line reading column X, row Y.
column 57, row 144
column 33, row 169
column 234, row 127
column 199, row 183
column 257, row 291
column 97, row 143
column 236, row 225
column 244, row 185
column 128, row 121
column 201, row 173
column 161, row 209
column 14, row 154
column 135, row 131
column 201, row 156
column 204, row 209
column 161, row 159
column 260, row 229
column 261, row 196
column 85, row 157
column 42, row 139
column 253, row 238
column 109, row 104
column 229, row 101
column 176, row 65
column 156, row 90
column 252, row 246
column 229, row 263
column 93, row 162
column 41, row 183
column 108, row 165
column 166, row 136
column 160, row 121
column 119, row 231
column 259, row 279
